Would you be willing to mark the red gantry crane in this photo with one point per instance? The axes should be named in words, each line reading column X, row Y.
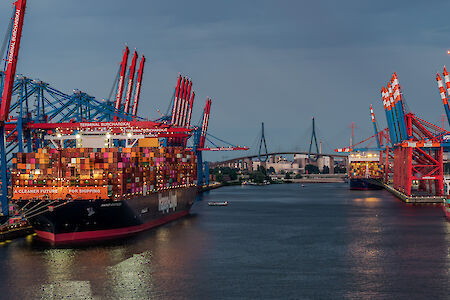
column 205, row 123
column 184, row 106
column 123, row 69
column 10, row 74
column 130, row 83
column 137, row 92
column 77, row 117
column 13, row 54
column 417, row 146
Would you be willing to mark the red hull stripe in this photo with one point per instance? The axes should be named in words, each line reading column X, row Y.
column 107, row 233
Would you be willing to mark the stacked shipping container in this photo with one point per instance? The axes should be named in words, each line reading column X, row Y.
column 365, row 169
column 125, row 171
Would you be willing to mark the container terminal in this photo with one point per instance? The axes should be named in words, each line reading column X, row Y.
column 409, row 152
column 78, row 169
column 62, row 153
column 406, row 158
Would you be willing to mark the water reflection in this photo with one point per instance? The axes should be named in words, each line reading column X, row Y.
column 67, row 290
column 364, row 257
column 367, row 200
column 132, row 278
column 447, row 237
column 59, row 264
column 277, row 242
column 392, row 242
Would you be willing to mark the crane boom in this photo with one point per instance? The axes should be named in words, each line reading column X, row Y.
column 392, row 110
column 374, row 122
column 442, row 91
column 189, row 113
column 175, row 100
column 13, row 54
column 184, row 107
column 398, row 102
column 177, row 104
column 126, row 108
column 385, row 96
column 191, row 104
column 10, row 74
column 123, row 69
column 137, row 92
column 205, row 123
column 181, row 104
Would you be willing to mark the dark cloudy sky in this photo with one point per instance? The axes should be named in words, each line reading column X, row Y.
column 278, row 62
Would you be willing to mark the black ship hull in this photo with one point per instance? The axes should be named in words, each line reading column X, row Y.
column 365, row 184
column 84, row 220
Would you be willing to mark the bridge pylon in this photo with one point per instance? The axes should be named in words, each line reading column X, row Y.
column 261, row 155
column 313, row 137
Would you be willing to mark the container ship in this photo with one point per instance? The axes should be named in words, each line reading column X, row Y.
column 365, row 171
column 81, row 194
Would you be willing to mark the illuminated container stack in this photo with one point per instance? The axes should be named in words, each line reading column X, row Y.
column 35, row 169
column 366, row 169
column 126, row 171
column 365, row 165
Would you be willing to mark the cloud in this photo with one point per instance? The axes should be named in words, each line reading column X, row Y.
column 280, row 62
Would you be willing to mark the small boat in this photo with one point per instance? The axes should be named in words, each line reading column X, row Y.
column 224, row 203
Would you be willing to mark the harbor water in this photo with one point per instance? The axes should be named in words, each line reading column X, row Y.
column 320, row 241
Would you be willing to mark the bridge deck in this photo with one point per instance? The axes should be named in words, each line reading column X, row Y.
column 280, row 153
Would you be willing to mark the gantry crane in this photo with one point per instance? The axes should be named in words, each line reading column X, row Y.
column 8, row 85
column 34, row 114
column 414, row 145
